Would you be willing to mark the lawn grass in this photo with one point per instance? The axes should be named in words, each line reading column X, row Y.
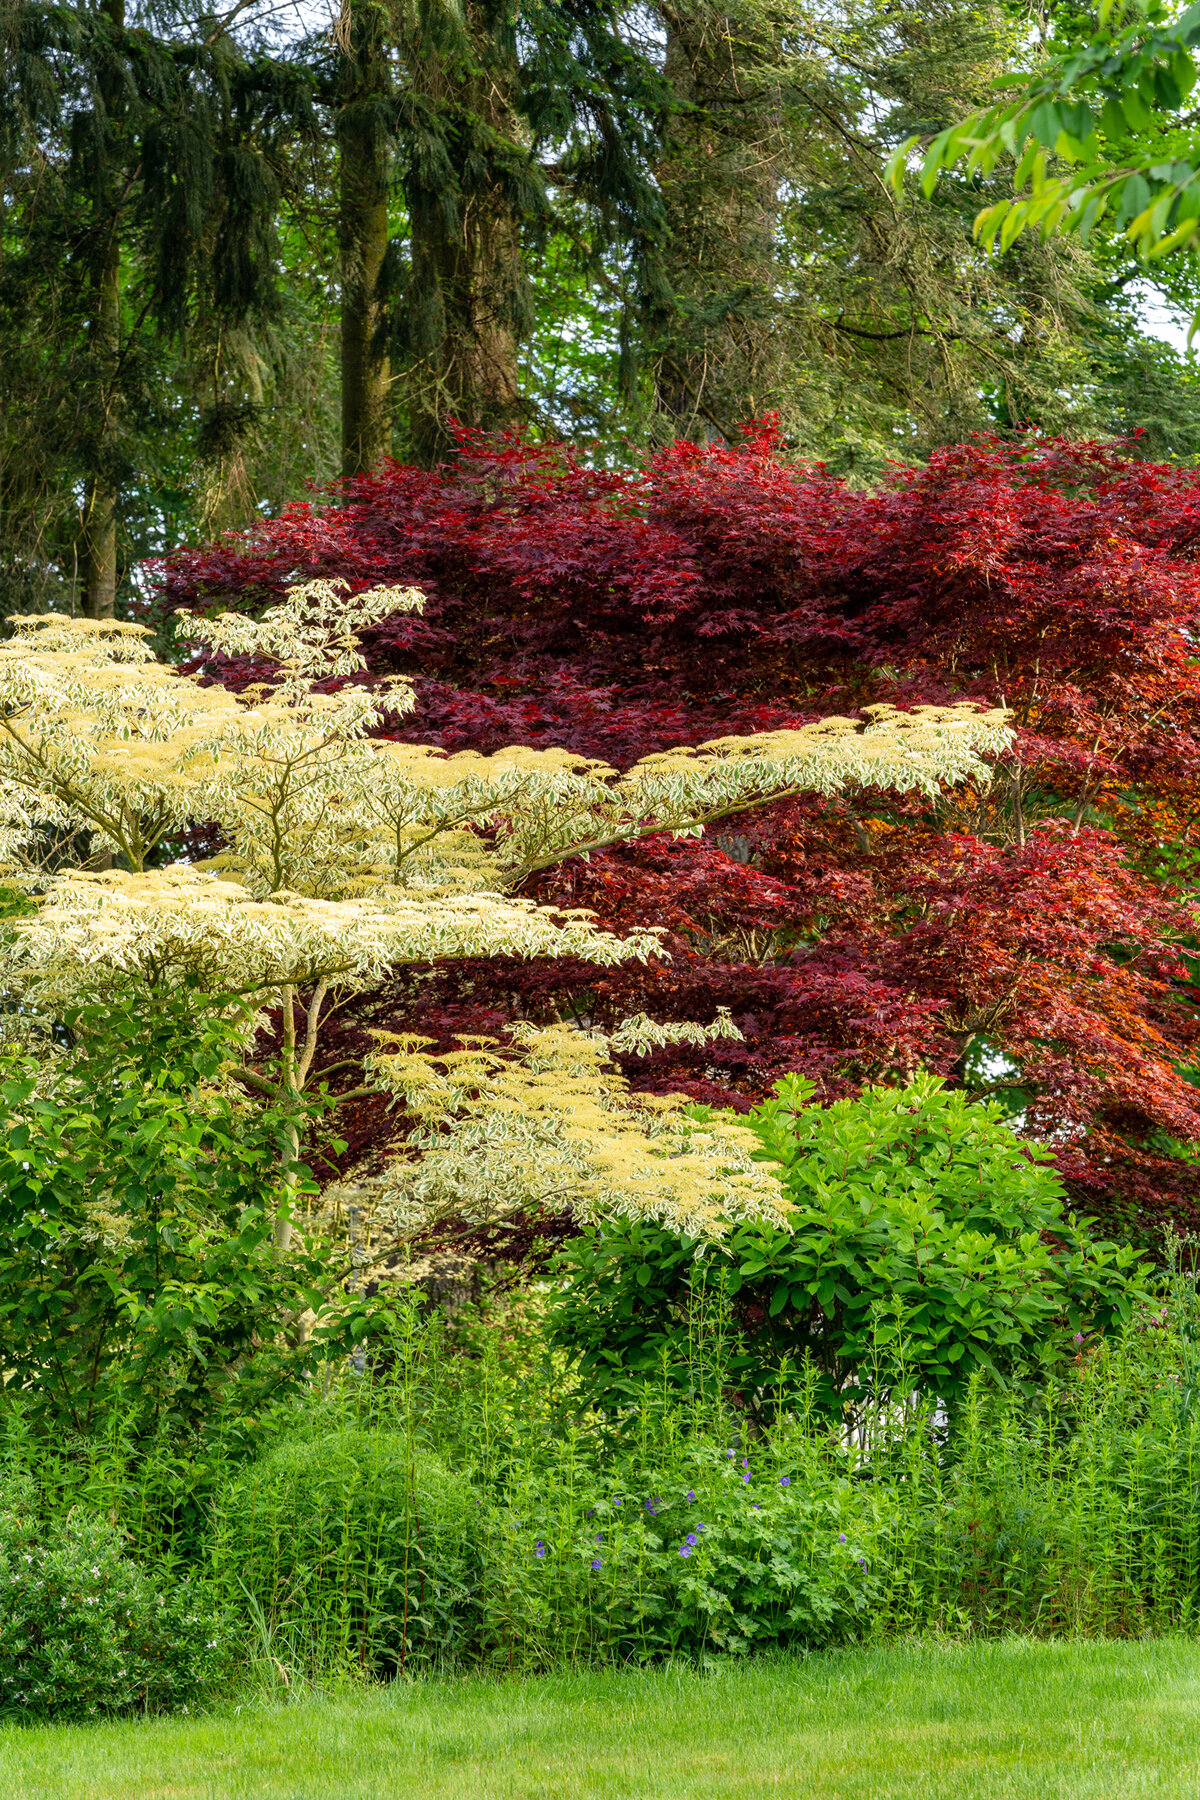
column 1075, row 1721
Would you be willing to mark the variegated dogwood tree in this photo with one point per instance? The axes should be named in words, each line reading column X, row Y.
column 344, row 856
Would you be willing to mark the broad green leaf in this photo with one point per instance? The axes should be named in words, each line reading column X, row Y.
column 1135, row 198
column 987, row 224
column 1076, row 120
column 1013, row 226
column 1182, row 234
column 1025, row 167
column 897, row 163
column 1112, row 120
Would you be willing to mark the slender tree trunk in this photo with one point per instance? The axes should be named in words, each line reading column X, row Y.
column 365, row 180
column 469, row 301
column 716, row 355
column 101, row 491
column 290, row 1152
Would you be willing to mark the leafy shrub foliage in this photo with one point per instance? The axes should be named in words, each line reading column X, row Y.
column 701, row 1529
column 358, row 1549
column 927, row 1243
column 84, row 1632
column 713, row 1550
column 137, row 1276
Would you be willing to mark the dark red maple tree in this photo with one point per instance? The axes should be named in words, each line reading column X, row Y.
column 1034, row 940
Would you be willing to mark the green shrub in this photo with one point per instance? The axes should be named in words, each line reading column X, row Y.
column 927, row 1242
column 365, row 1544
column 139, row 1282
column 84, row 1631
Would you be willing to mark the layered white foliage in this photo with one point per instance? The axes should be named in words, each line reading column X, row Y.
column 347, row 855
column 185, row 921
column 556, row 1126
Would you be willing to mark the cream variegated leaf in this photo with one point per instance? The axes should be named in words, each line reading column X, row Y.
column 187, row 921
column 556, row 1126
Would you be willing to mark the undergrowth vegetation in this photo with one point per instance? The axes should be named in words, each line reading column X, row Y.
column 454, row 1505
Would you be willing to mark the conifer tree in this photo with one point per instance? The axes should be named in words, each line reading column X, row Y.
column 143, row 167
column 504, row 111
column 799, row 284
column 365, row 121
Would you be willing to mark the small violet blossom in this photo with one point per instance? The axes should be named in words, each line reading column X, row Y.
column 596, row 1563
column 685, row 1549
column 540, row 1548
column 785, row 1481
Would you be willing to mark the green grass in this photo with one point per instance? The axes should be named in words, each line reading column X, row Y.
column 1072, row 1721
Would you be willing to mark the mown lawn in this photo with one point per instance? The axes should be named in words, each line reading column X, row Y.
column 1079, row 1721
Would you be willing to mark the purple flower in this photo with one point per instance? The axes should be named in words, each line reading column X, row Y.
column 539, row 1548
column 841, row 1537
column 785, row 1481
column 731, row 1453
column 691, row 1494
column 618, row 1503
column 599, row 1537
column 745, row 1462
column 685, row 1549
column 692, row 1538
column 755, row 1507
column 862, row 1562
column 590, row 1513
column 746, row 1476
column 596, row 1563
column 652, row 1509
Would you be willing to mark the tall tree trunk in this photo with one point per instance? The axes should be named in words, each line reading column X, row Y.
column 716, row 354
column 365, row 180
column 468, row 302
column 101, row 489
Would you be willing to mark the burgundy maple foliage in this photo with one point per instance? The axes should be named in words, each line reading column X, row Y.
column 1035, row 940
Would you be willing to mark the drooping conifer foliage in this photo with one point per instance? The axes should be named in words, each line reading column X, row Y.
column 143, row 162
column 1030, row 940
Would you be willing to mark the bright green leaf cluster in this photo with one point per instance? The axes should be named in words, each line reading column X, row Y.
column 927, row 1243
column 1095, row 135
